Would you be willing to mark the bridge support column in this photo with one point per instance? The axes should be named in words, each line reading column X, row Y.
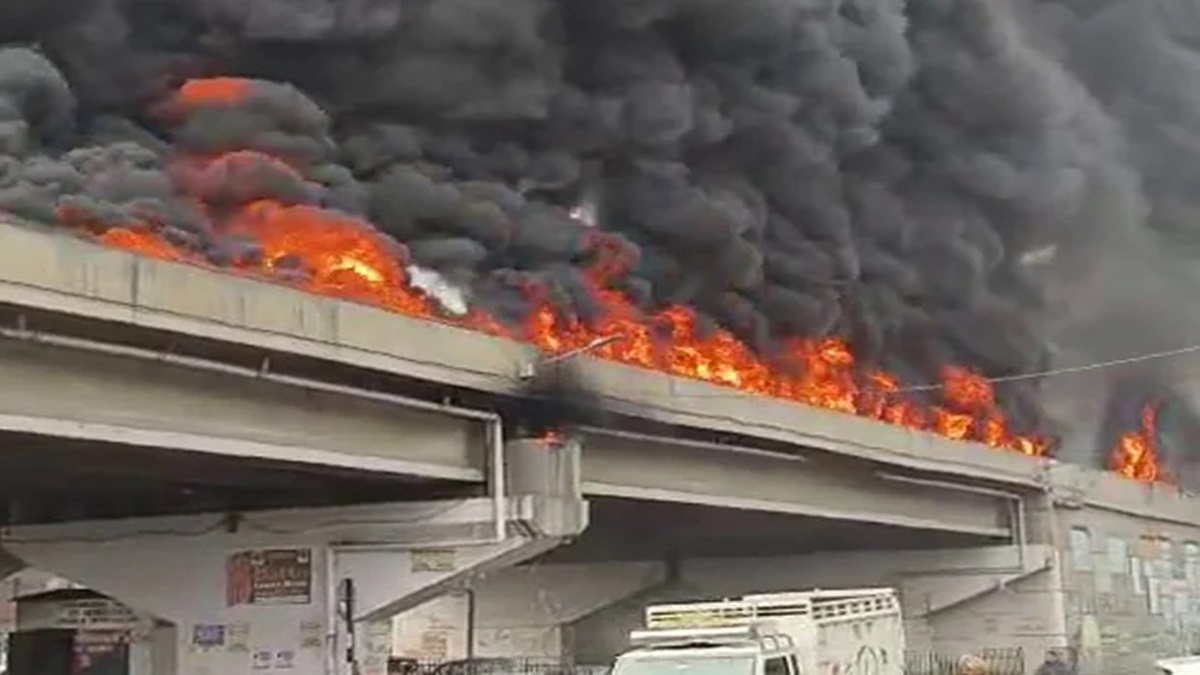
column 519, row 612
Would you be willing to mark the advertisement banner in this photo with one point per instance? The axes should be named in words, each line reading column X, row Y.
column 269, row 577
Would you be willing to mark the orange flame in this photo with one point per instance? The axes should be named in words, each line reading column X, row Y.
column 1135, row 454
column 225, row 91
column 340, row 256
column 140, row 241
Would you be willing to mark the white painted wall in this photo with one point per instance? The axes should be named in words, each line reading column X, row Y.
column 520, row 611
column 183, row 581
column 437, row 630
column 175, row 568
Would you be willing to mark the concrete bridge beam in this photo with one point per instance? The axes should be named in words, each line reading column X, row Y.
column 163, row 401
column 650, row 468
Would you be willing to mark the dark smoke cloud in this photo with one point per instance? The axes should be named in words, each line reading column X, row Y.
column 879, row 170
column 1141, row 61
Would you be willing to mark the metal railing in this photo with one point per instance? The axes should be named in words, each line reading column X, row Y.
column 999, row 662
column 492, row 666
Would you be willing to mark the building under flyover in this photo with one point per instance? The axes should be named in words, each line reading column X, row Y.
column 213, row 416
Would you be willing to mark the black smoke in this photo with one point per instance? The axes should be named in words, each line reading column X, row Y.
column 1141, row 62
column 880, row 170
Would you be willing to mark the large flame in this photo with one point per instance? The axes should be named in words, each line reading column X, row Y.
column 1135, row 453
column 339, row 256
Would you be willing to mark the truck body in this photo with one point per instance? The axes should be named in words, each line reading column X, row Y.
column 1183, row 665
column 850, row 632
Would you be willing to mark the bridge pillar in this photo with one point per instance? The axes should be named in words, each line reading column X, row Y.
column 302, row 590
column 519, row 612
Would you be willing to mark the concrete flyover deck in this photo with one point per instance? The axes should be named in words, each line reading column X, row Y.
column 115, row 399
column 58, row 273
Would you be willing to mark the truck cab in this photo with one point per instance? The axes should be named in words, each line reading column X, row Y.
column 734, row 652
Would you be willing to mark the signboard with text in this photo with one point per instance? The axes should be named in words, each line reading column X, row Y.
column 269, row 577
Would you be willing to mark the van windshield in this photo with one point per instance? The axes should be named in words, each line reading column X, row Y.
column 687, row 665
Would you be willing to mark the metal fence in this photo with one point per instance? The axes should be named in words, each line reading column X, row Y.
column 488, row 666
column 999, row 662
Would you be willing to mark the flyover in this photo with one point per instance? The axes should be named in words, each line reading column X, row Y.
column 205, row 392
column 56, row 274
column 238, row 368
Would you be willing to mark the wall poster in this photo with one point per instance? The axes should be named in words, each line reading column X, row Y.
column 208, row 637
column 269, row 577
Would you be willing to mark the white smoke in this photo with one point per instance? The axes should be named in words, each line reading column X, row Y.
column 452, row 299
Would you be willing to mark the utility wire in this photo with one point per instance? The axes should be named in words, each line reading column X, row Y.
column 1051, row 372
column 1100, row 365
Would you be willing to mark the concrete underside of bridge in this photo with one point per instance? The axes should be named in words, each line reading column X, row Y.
column 579, row 601
column 638, row 530
column 47, row 479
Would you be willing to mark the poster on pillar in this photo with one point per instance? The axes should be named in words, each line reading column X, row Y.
column 101, row 651
column 269, row 577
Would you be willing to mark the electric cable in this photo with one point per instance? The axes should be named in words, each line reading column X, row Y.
column 1069, row 370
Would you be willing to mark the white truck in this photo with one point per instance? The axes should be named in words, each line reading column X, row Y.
column 850, row 632
column 1183, row 665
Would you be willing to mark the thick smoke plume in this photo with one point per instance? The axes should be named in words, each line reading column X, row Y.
column 1135, row 292
column 886, row 171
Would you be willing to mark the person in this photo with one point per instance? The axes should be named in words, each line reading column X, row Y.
column 969, row 664
column 1055, row 664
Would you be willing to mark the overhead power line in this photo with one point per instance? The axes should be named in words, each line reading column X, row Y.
column 1068, row 370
